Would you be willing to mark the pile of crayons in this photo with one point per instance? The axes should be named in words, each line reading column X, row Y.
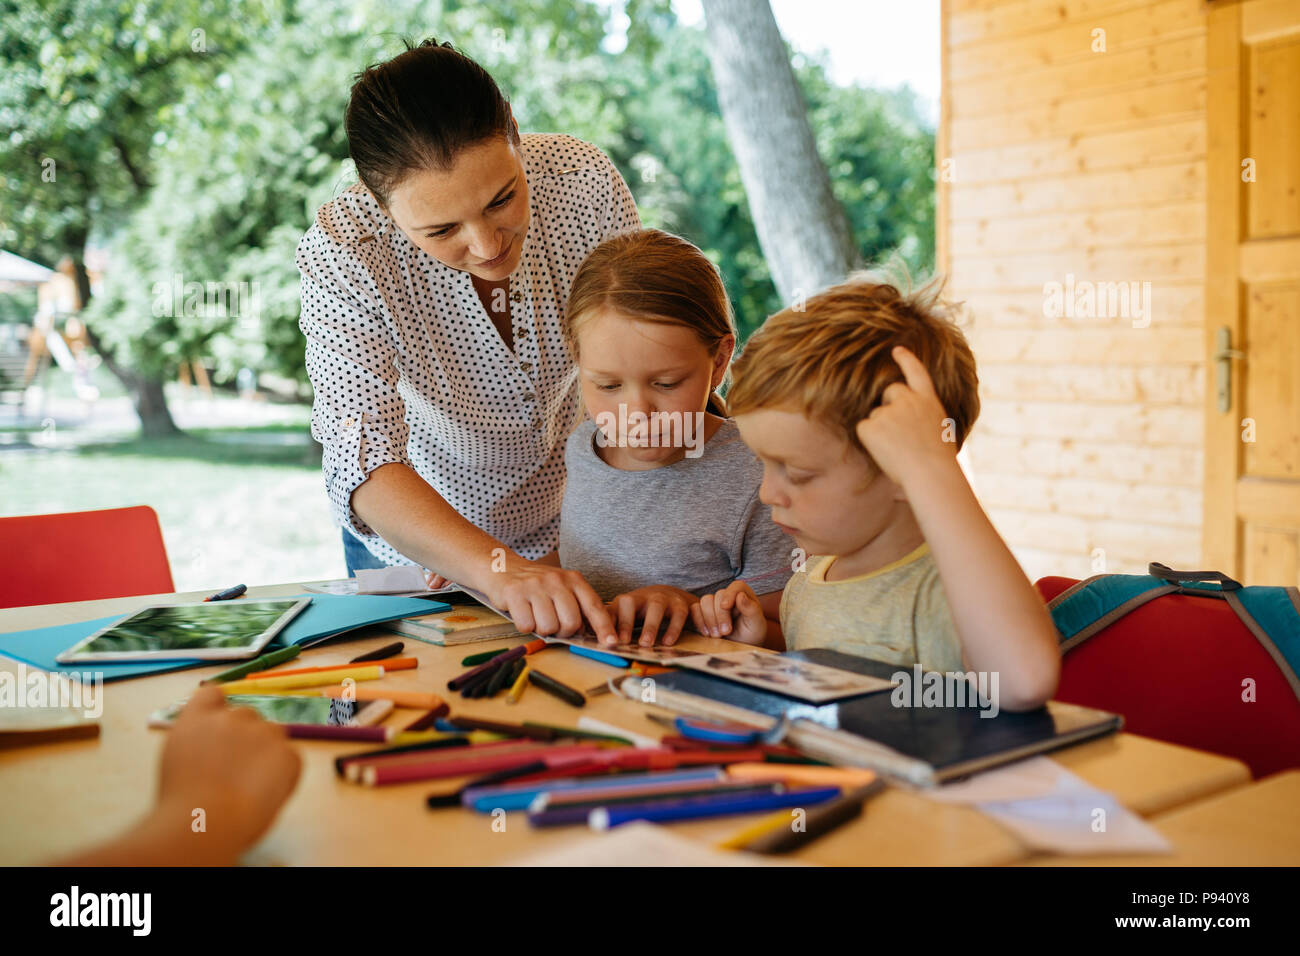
column 509, row 669
column 599, row 776
column 564, row 776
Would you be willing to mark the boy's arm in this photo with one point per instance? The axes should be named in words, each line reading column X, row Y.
column 1002, row 622
column 771, row 605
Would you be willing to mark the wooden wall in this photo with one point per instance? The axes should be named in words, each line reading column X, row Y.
column 1067, row 161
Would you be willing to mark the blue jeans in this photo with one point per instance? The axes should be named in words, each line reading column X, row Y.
column 357, row 555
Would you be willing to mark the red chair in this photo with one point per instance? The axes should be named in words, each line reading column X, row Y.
column 82, row 556
column 1174, row 669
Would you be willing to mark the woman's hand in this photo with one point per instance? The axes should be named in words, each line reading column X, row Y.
column 650, row 604
column 733, row 613
column 545, row 599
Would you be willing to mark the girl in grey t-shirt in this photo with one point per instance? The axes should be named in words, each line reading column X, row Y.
column 661, row 502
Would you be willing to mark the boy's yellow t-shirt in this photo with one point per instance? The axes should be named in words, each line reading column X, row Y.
column 897, row 614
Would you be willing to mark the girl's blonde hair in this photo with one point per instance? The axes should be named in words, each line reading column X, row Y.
column 654, row 276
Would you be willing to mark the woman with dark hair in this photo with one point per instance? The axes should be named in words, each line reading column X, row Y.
column 432, row 297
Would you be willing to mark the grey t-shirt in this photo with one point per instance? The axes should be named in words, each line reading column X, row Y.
column 696, row 524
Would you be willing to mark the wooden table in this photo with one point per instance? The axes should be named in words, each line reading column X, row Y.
column 66, row 796
column 1254, row 825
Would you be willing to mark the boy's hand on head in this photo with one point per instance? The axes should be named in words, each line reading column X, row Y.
column 657, row 605
column 909, row 432
column 733, row 613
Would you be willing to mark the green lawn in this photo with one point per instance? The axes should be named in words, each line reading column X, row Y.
column 236, row 505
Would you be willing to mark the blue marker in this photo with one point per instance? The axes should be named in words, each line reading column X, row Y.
column 611, row 659
column 520, row 796
column 693, row 808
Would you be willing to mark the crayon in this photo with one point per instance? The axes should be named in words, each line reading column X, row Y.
column 553, row 686
column 383, row 653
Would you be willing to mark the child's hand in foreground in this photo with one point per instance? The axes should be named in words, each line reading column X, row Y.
column 231, row 763
column 907, row 434
column 651, row 605
column 228, row 763
column 733, row 613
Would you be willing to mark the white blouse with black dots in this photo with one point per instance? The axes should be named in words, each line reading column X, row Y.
column 408, row 367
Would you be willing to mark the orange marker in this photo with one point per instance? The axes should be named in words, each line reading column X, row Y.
column 392, row 664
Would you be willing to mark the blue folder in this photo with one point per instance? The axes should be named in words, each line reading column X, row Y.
column 326, row 616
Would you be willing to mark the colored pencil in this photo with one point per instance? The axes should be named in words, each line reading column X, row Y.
column 379, row 773
column 519, row 796
column 580, row 734
column 459, row 721
column 392, row 664
column 453, row 798
column 802, row 775
column 568, row 814
column 447, row 740
column 255, row 686
column 819, row 821
column 696, row 808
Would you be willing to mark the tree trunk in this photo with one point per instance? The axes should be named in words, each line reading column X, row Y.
column 146, row 391
column 801, row 226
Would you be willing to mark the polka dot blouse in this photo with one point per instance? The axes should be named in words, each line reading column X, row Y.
column 408, row 367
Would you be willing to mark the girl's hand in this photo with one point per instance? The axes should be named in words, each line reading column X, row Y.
column 650, row 604
column 434, row 581
column 545, row 599
column 733, row 613
column 909, row 433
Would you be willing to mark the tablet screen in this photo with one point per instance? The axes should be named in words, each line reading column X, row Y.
column 224, row 627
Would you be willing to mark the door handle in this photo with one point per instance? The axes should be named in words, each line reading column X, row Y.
column 1223, row 356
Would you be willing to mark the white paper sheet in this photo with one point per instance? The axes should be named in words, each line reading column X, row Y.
column 1052, row 810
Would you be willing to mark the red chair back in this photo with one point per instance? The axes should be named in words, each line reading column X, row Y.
column 1174, row 668
column 82, row 556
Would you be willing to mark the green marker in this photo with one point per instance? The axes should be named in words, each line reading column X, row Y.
column 265, row 662
column 579, row 734
column 474, row 659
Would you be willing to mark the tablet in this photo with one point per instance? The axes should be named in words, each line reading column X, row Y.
column 284, row 709
column 204, row 630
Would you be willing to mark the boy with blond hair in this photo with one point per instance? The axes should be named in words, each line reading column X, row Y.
column 856, row 405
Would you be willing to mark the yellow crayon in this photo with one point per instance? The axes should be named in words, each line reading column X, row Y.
column 517, row 690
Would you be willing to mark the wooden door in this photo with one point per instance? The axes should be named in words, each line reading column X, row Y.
column 1252, row 316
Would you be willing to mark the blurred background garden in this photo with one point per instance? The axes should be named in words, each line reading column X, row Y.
column 159, row 162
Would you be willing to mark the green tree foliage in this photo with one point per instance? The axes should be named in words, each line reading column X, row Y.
column 241, row 152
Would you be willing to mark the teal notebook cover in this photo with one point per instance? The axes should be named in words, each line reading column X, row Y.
column 326, row 616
